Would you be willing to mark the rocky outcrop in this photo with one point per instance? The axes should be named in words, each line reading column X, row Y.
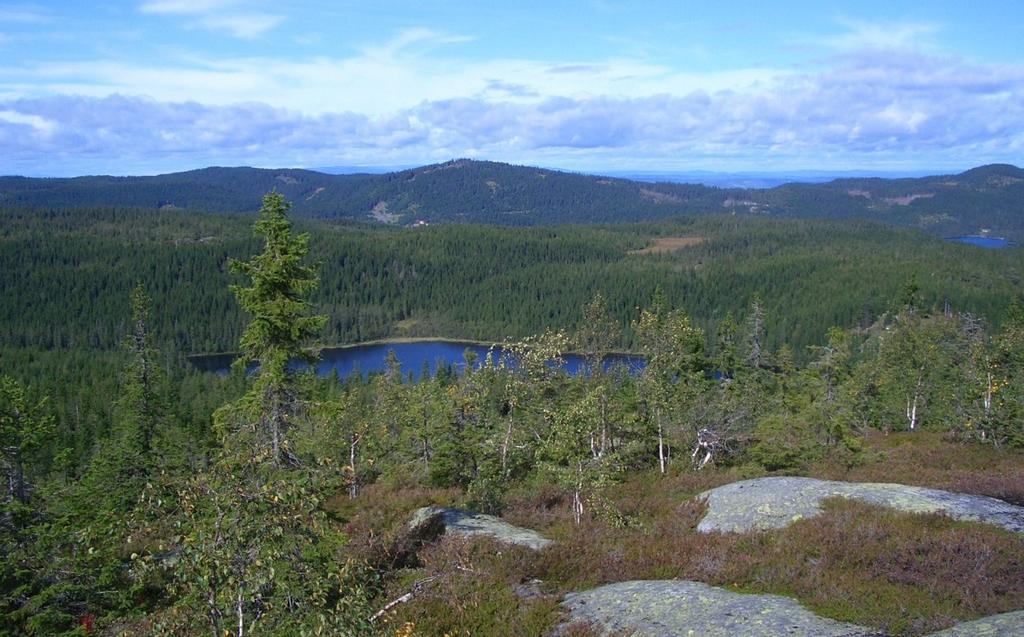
column 664, row 608
column 667, row 608
column 429, row 522
column 769, row 503
column 1004, row 625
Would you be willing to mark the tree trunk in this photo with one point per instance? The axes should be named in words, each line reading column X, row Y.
column 275, row 428
column 241, row 615
column 214, row 614
column 505, row 445
column 662, row 457
column 912, row 416
column 353, row 487
column 604, row 425
column 577, row 495
column 988, row 396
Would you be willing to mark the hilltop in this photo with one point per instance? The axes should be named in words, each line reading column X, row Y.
column 988, row 199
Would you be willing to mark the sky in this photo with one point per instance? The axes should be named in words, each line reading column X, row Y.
column 152, row 86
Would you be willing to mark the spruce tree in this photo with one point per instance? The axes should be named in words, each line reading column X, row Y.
column 259, row 552
column 278, row 301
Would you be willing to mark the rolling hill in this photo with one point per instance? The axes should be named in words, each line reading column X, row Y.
column 985, row 199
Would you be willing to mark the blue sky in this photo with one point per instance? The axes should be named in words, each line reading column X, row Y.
column 153, row 86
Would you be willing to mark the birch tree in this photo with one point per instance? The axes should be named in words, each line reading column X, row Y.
column 673, row 373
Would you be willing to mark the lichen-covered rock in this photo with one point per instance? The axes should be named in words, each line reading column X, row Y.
column 768, row 503
column 669, row 608
column 430, row 522
column 1004, row 625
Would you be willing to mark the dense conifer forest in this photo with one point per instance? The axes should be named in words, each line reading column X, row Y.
column 145, row 497
column 984, row 199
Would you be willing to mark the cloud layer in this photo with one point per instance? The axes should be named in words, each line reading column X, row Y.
column 882, row 106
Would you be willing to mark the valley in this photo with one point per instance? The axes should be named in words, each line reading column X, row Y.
column 761, row 348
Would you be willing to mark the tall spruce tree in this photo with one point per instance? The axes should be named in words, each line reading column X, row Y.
column 278, row 301
column 260, row 554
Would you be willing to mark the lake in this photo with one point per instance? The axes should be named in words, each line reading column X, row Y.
column 994, row 243
column 368, row 358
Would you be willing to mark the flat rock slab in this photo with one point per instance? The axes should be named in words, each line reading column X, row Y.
column 461, row 522
column 771, row 503
column 668, row 608
column 1004, row 625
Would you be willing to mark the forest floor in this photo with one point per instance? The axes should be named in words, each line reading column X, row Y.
column 900, row 573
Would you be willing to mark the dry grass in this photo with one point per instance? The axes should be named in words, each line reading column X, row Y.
column 901, row 573
column 669, row 244
column 376, row 521
column 474, row 588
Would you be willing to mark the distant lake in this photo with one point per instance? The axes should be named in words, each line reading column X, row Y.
column 994, row 243
column 370, row 358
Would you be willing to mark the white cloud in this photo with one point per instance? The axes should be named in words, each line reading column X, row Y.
column 215, row 15
column 246, row 26
column 412, row 98
column 40, row 124
column 912, row 106
column 860, row 35
column 22, row 14
column 377, row 81
column 184, row 7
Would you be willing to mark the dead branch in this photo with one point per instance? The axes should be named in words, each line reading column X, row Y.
column 416, row 588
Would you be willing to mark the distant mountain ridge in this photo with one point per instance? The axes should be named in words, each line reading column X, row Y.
column 984, row 200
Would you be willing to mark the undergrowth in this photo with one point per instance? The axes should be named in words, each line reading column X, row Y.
column 905, row 574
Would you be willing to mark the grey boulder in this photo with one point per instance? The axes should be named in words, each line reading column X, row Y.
column 668, row 608
column 1004, row 625
column 775, row 502
column 434, row 521
column 671, row 608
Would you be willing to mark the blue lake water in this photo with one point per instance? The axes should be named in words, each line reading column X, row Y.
column 370, row 358
column 994, row 243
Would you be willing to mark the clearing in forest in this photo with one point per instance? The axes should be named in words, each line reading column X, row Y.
column 669, row 244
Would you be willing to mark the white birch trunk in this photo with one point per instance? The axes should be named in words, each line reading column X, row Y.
column 661, row 445
column 241, row 616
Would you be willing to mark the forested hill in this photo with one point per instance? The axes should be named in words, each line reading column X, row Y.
column 985, row 198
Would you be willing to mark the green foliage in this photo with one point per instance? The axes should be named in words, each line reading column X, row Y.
column 1001, row 420
column 277, row 301
column 25, row 429
column 673, row 375
column 68, row 275
column 785, row 444
column 571, row 455
column 259, row 551
column 141, row 518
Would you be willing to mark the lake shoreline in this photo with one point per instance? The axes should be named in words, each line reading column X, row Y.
column 407, row 340
column 983, row 241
